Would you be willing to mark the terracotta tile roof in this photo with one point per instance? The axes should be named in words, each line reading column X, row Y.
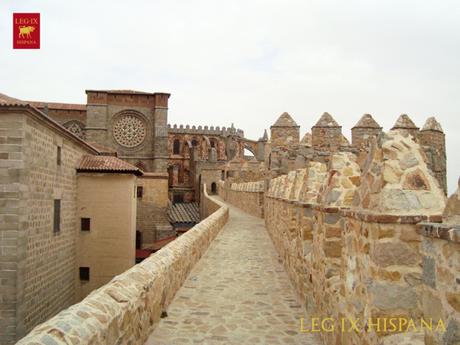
column 5, row 99
column 9, row 103
column 108, row 164
column 60, row 106
column 157, row 245
column 187, row 212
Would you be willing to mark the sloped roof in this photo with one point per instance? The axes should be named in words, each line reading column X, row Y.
column 432, row 125
column 61, row 106
column 184, row 212
column 326, row 120
column 5, row 99
column 367, row 121
column 107, row 164
column 285, row 120
column 404, row 121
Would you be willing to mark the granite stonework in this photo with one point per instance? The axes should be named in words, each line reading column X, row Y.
column 440, row 283
column 128, row 308
column 37, row 264
column 347, row 234
column 249, row 196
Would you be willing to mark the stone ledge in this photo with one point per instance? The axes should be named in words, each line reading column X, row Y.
column 128, row 308
column 441, row 231
column 390, row 218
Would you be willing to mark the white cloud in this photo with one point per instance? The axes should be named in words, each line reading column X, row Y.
column 248, row 61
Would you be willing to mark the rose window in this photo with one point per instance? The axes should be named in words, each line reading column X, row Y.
column 129, row 131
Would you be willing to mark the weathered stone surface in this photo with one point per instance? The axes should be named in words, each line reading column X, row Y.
column 432, row 306
column 333, row 249
column 429, row 271
column 390, row 296
column 413, row 279
column 454, row 300
column 394, row 253
column 452, row 334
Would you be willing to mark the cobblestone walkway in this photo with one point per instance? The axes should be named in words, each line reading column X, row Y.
column 238, row 293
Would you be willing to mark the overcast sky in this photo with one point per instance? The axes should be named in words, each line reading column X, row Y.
column 248, row 61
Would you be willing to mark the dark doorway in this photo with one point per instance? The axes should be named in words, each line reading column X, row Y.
column 213, row 188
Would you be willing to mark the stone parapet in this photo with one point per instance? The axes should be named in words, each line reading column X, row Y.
column 126, row 310
column 249, row 196
column 351, row 247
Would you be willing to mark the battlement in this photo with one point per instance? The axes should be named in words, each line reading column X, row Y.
column 205, row 130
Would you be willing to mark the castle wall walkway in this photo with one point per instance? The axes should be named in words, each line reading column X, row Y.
column 238, row 293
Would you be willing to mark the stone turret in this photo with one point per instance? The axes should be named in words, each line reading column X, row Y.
column 366, row 128
column 405, row 124
column 433, row 141
column 326, row 134
column 284, row 132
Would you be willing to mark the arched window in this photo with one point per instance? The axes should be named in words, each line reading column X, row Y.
column 176, row 147
column 194, row 142
column 213, row 188
column 213, row 143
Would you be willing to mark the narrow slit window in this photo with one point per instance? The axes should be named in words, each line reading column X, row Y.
column 57, row 216
column 59, row 155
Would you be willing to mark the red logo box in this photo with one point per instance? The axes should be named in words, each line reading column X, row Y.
column 26, row 30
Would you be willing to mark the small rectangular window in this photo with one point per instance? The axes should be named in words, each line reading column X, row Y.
column 57, row 216
column 84, row 274
column 85, row 224
column 58, row 156
column 140, row 191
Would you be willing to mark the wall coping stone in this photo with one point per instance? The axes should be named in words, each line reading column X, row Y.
column 366, row 216
column 448, row 232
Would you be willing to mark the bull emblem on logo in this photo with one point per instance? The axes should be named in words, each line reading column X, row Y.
column 26, row 31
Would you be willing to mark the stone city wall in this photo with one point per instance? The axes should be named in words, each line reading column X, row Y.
column 440, row 286
column 249, row 196
column 348, row 239
column 127, row 309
